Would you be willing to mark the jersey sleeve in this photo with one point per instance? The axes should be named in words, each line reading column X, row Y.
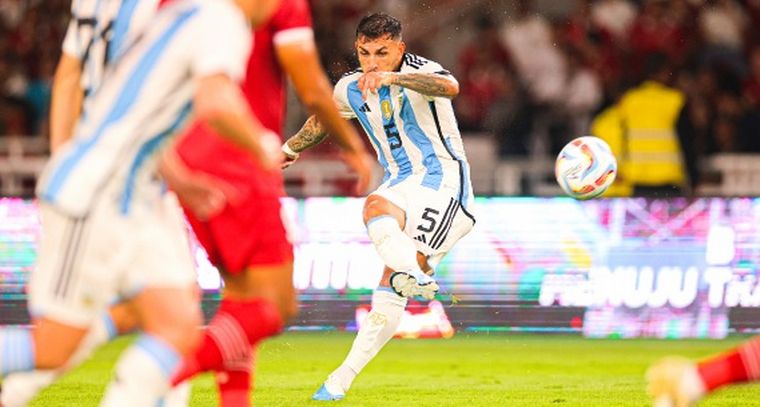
column 434, row 67
column 340, row 96
column 222, row 43
column 417, row 64
column 292, row 22
column 71, row 44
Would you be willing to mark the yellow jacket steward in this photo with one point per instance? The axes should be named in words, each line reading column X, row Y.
column 608, row 126
column 648, row 149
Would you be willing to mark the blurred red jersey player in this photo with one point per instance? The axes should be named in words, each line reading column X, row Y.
column 256, row 205
column 246, row 238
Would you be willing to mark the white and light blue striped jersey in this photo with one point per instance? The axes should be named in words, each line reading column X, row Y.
column 99, row 31
column 413, row 134
column 144, row 97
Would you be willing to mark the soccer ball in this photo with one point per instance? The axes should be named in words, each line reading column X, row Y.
column 585, row 167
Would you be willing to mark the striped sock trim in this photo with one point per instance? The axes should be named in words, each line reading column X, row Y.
column 750, row 355
column 16, row 351
column 110, row 326
column 232, row 342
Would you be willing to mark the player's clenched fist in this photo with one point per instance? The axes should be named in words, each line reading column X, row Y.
column 372, row 81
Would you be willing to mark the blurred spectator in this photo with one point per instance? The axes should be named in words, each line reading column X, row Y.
column 728, row 106
column 752, row 83
column 749, row 131
column 334, row 21
column 657, row 30
column 698, row 117
column 593, row 46
column 533, row 83
column 482, row 67
column 749, row 125
column 583, row 93
column 11, row 12
column 539, row 64
column 27, row 30
column 722, row 23
column 615, row 16
column 38, row 93
column 510, row 117
column 752, row 35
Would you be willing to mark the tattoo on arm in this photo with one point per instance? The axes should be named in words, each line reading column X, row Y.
column 427, row 84
column 311, row 134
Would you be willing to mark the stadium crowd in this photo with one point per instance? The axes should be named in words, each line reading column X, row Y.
column 560, row 73
column 526, row 71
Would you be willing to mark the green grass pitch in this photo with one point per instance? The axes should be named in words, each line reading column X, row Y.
column 465, row 371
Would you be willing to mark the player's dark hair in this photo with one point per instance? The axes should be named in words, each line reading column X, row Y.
column 379, row 25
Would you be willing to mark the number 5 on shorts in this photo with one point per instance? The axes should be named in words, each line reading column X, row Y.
column 426, row 216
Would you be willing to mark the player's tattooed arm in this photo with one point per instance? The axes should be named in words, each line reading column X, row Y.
column 311, row 134
column 429, row 84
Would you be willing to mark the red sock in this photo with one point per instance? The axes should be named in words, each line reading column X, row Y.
column 226, row 344
column 206, row 355
column 235, row 386
column 738, row 366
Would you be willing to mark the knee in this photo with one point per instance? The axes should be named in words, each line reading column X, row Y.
column 124, row 318
column 373, row 207
column 376, row 206
column 54, row 345
column 182, row 333
column 188, row 333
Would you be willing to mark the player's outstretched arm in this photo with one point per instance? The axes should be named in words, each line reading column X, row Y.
column 220, row 103
column 311, row 134
column 428, row 84
column 300, row 61
column 66, row 101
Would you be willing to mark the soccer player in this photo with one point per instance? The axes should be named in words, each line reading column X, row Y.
column 108, row 230
column 678, row 382
column 96, row 36
column 422, row 208
column 247, row 239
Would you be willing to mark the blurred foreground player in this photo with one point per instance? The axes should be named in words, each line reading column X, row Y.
column 247, row 240
column 107, row 230
column 422, row 209
column 96, row 36
column 678, row 382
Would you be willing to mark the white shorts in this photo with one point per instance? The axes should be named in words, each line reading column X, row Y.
column 83, row 264
column 435, row 220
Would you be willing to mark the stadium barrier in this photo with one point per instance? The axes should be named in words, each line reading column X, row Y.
column 22, row 159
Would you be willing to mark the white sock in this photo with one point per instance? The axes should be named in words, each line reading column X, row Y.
column 378, row 328
column 397, row 250
column 692, row 384
column 142, row 374
column 178, row 396
column 20, row 388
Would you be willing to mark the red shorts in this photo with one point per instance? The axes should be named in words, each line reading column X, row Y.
column 248, row 234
